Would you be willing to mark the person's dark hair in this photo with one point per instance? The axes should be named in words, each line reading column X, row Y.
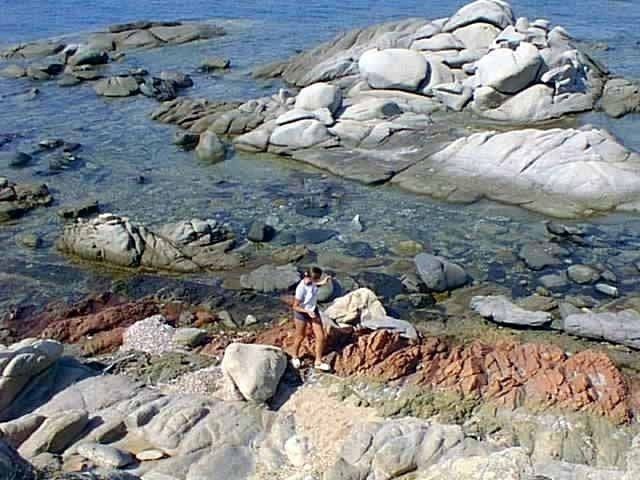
column 315, row 272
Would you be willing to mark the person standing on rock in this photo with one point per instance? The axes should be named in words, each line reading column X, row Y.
column 306, row 314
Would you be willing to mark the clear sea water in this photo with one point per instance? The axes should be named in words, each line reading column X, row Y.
column 120, row 142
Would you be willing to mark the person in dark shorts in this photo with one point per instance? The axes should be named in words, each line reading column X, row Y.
column 306, row 317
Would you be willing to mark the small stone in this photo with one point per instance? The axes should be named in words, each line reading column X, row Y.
column 150, row 455
column 583, row 274
column 608, row 290
column 407, row 248
column 553, row 281
column 105, row 455
column 30, row 240
column 250, row 320
column 226, row 319
column 260, row 232
column 190, row 337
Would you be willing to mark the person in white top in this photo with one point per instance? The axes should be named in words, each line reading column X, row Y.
column 306, row 314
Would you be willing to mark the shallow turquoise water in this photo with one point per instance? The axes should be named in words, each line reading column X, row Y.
column 120, row 142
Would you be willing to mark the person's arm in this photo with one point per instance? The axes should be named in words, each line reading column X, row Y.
column 324, row 281
column 297, row 307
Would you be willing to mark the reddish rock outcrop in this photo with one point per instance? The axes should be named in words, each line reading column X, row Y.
column 511, row 374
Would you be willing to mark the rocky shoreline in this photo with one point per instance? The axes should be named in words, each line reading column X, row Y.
column 177, row 368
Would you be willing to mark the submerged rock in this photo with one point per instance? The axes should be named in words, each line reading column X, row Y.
column 17, row 199
column 439, row 274
column 210, row 148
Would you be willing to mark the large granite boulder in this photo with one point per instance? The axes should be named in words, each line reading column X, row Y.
column 255, row 370
column 500, row 310
column 509, row 71
column 522, row 167
column 380, row 69
column 301, row 134
column 616, row 327
column 439, row 274
column 319, row 95
column 187, row 246
column 55, row 434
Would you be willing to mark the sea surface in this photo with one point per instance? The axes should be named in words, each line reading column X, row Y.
column 121, row 143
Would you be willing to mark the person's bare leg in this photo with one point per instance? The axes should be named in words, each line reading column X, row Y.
column 318, row 333
column 301, row 328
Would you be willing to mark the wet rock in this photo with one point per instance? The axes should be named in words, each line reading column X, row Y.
column 14, row 159
column 312, row 208
column 260, row 232
column 254, row 369
column 359, row 249
column 583, row 274
column 620, row 97
column 105, row 455
column 44, row 71
column 30, row 240
column 608, row 290
column 188, row 246
column 500, row 310
column 553, row 280
column 82, row 210
column 562, row 230
column 439, row 274
column 13, row 465
column 179, row 79
column 16, row 200
column 210, row 148
column 69, row 81
column 88, row 56
column 540, row 255
column 186, row 140
column 161, row 90
column 271, row 278
column 215, row 63
column 13, row 71
column 117, row 87
column 407, row 248
column 315, row 236
column 617, row 327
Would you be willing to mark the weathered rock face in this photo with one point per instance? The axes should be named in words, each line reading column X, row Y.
column 255, row 370
column 17, row 199
column 193, row 114
column 509, row 71
column 210, row 148
column 183, row 247
column 620, row 97
column 501, row 310
column 617, row 327
column 318, row 96
column 493, row 12
column 597, row 174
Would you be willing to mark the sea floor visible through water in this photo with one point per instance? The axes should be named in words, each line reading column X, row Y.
column 120, row 144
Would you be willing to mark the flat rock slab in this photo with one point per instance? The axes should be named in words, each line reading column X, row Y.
column 621, row 327
column 500, row 310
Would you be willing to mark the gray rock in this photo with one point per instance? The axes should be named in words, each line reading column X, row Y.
column 496, row 13
column 117, row 87
column 88, row 56
column 210, row 148
column 620, row 97
column 315, row 236
column 617, row 327
column 380, row 69
column 500, row 310
column 81, row 210
column 13, row 71
column 186, row 140
column 439, row 274
column 271, row 278
column 55, row 434
column 30, row 240
column 583, row 274
column 179, row 79
column 254, row 369
column 161, row 90
column 318, row 96
column 301, row 134
column 190, row 337
column 539, row 255
column 14, row 159
column 608, row 290
column 553, row 280
column 215, row 63
column 509, row 71
column 260, row 232
column 105, row 455
column 227, row 319
column 250, row 320
column 440, row 41
column 565, row 309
